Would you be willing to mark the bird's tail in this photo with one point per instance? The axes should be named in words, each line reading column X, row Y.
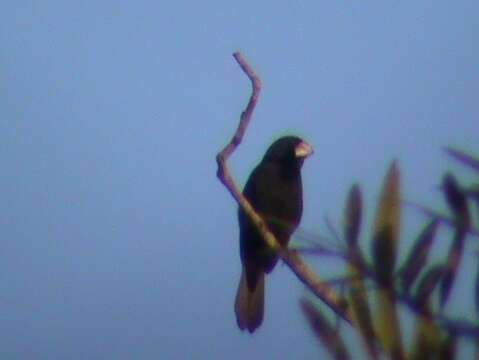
column 249, row 303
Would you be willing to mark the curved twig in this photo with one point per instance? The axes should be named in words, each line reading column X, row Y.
column 304, row 273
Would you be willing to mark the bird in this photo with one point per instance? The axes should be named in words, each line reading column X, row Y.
column 274, row 189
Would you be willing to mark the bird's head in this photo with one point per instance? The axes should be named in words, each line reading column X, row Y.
column 288, row 150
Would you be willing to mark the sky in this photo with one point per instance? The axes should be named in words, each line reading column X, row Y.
column 118, row 241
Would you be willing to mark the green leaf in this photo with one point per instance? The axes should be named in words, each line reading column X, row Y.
column 426, row 286
column 448, row 347
column 358, row 296
column 477, row 291
column 418, row 256
column 452, row 265
column 324, row 331
column 458, row 204
column 361, row 312
column 386, row 228
column 352, row 218
column 456, row 200
column 466, row 159
column 427, row 341
column 385, row 239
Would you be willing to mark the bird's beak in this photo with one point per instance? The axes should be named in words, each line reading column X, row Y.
column 303, row 150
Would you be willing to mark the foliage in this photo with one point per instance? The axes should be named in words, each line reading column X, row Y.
column 423, row 288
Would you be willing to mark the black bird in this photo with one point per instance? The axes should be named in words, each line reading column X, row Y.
column 275, row 191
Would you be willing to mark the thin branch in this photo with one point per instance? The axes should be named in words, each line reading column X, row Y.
column 291, row 258
column 317, row 286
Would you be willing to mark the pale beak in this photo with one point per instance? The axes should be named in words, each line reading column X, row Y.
column 303, row 150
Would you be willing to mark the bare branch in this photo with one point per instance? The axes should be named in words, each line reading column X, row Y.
column 304, row 273
column 319, row 287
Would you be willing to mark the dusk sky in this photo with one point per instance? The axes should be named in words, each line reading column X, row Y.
column 119, row 242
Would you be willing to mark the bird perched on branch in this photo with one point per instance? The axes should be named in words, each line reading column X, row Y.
column 274, row 189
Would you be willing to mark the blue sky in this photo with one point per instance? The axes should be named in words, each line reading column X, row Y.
column 117, row 239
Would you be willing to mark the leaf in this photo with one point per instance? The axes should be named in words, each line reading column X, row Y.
column 453, row 260
column 466, row 159
column 386, row 228
column 361, row 312
column 357, row 266
column 324, row 331
column 477, row 291
column 474, row 195
column 448, row 348
column 418, row 256
column 385, row 239
column 352, row 218
column 456, row 200
column 387, row 326
column 427, row 340
column 426, row 286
